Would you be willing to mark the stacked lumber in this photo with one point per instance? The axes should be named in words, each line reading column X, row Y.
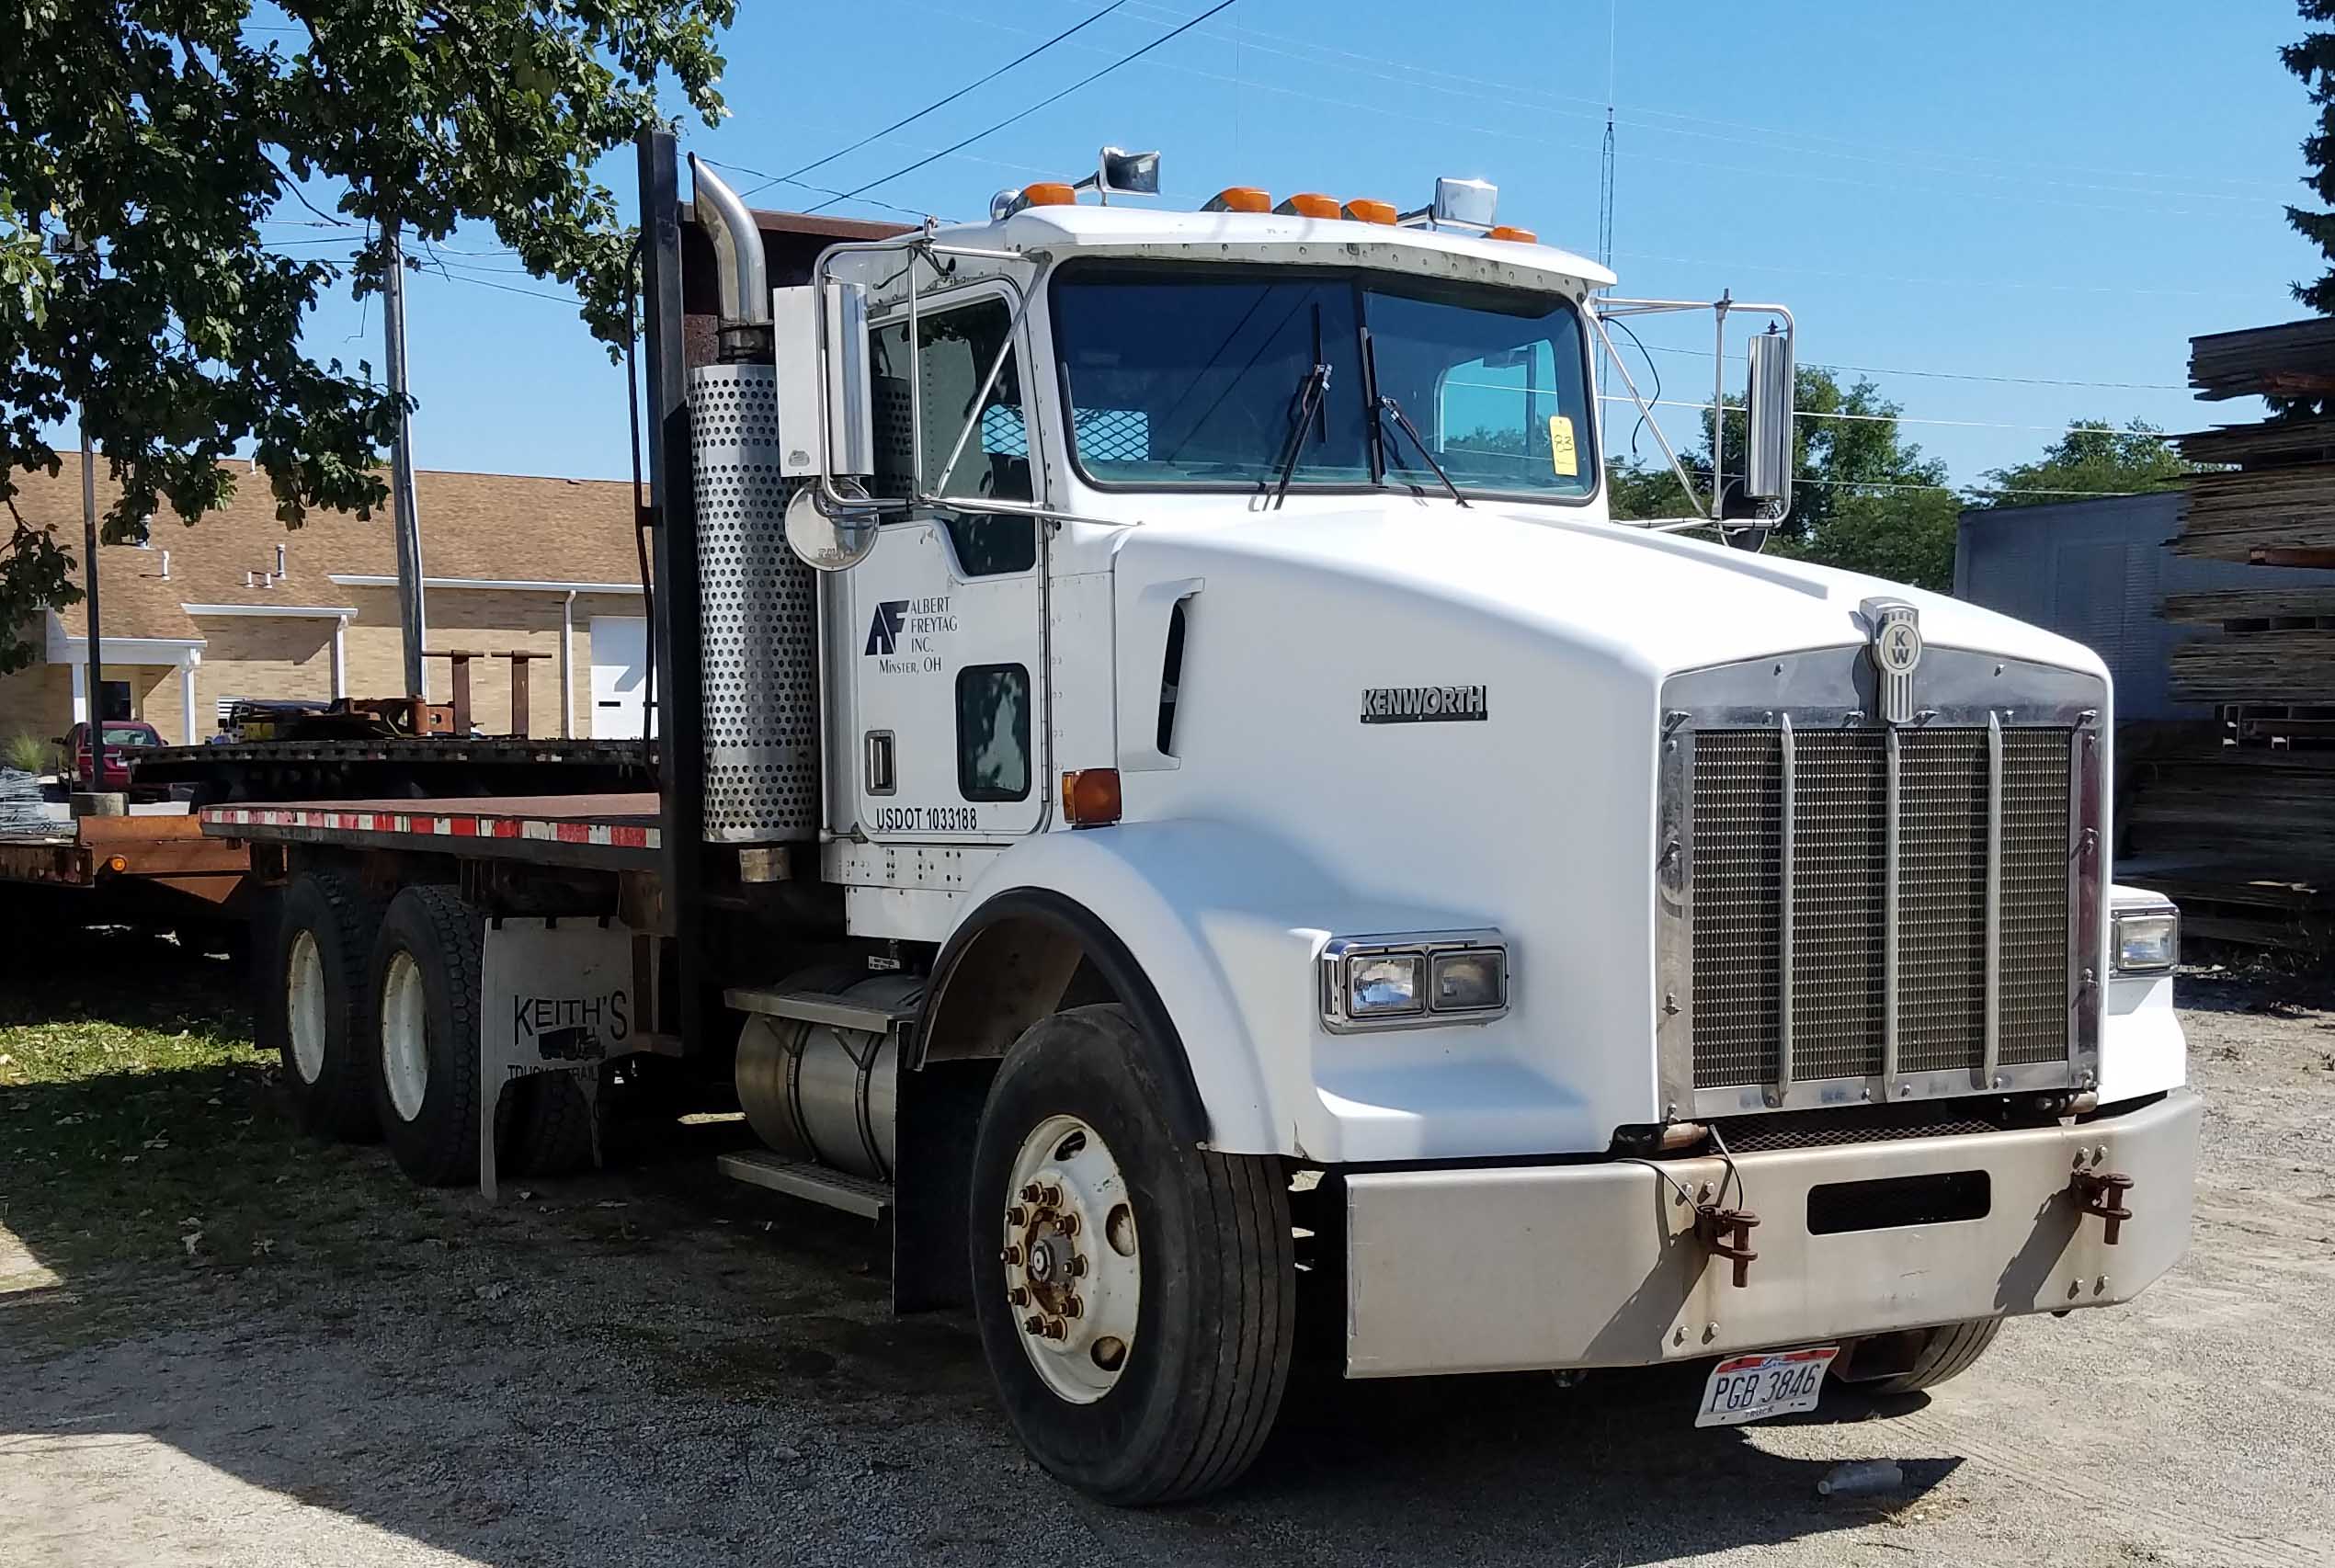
column 2269, row 516
column 2241, row 830
column 2293, row 359
column 2249, row 605
column 2304, row 437
column 2287, row 668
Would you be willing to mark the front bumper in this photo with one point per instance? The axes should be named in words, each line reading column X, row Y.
column 1483, row 1271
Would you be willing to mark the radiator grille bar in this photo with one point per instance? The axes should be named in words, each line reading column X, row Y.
column 1879, row 903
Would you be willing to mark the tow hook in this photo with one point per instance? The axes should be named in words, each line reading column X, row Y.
column 2102, row 1193
column 1728, row 1233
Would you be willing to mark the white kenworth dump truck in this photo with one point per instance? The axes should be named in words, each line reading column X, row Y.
column 1175, row 793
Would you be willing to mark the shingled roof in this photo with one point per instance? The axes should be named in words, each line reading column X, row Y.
column 496, row 527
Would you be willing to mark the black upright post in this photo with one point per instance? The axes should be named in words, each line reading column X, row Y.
column 679, row 666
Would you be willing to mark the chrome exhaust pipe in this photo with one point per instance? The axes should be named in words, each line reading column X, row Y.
column 744, row 331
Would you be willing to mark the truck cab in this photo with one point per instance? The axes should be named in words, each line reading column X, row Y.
column 1651, row 949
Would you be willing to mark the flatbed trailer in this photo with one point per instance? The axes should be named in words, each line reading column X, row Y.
column 401, row 766
column 159, row 867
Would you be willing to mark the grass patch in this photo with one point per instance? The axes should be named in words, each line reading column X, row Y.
column 142, row 1137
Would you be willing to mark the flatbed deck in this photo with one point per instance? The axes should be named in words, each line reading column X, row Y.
column 608, row 829
column 158, row 851
column 401, row 768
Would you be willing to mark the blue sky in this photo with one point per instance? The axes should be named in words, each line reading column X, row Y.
column 2055, row 192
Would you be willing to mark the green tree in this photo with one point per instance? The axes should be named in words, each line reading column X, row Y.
column 1864, row 498
column 2094, row 457
column 163, row 132
column 2313, row 59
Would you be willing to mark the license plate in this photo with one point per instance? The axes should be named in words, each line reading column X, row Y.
column 1752, row 1388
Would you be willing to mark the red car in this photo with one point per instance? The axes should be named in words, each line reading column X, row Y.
column 109, row 769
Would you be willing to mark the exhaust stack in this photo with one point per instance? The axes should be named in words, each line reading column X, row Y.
column 744, row 331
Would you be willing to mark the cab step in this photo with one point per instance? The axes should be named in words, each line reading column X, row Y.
column 800, row 1178
column 818, row 1007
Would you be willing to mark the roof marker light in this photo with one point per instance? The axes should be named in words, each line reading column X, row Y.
column 1308, row 204
column 1362, row 209
column 1505, row 232
column 1049, row 193
column 1239, row 198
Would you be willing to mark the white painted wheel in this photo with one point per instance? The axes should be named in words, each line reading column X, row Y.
column 304, row 1006
column 1073, row 1271
column 405, row 1035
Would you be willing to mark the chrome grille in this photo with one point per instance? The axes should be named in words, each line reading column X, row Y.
column 1941, row 804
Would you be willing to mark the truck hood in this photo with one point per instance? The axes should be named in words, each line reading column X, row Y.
column 1652, row 603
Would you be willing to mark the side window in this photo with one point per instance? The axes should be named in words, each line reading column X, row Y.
column 956, row 349
column 993, row 732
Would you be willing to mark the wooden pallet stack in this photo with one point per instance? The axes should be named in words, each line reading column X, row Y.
column 2237, row 820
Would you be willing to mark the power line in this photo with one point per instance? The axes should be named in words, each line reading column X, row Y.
column 770, row 179
column 1917, row 282
column 1873, row 418
column 1043, row 103
column 1951, row 375
column 1474, row 87
column 1022, row 59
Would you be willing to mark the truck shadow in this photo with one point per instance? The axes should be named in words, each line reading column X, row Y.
column 654, row 1365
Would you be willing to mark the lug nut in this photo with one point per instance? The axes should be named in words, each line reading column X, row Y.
column 1051, row 1198
column 1056, row 1329
column 1012, row 1255
column 1069, row 1222
column 1018, row 1297
column 1077, row 1265
column 1017, row 1216
column 1030, row 1192
column 1033, row 1324
column 1073, row 1307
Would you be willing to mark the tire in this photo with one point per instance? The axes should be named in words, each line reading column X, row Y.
column 314, row 1004
column 1948, row 1353
column 424, row 1012
column 1192, row 1392
column 551, row 1126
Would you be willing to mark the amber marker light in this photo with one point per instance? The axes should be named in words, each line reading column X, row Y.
column 1090, row 797
column 1239, row 198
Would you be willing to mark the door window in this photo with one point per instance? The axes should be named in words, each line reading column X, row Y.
column 993, row 732
column 955, row 350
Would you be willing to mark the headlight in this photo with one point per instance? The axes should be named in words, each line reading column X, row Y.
column 2147, row 940
column 1408, row 980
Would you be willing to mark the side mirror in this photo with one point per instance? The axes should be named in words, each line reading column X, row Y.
column 826, row 407
column 825, row 397
column 1766, row 400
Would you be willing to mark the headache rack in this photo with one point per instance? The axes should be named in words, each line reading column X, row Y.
column 1854, row 912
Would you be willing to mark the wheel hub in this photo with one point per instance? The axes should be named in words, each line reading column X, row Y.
column 1073, row 1273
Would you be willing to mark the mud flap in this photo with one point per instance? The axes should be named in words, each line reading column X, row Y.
column 555, row 996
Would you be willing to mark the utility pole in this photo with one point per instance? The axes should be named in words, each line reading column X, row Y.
column 73, row 244
column 89, row 584
column 401, row 464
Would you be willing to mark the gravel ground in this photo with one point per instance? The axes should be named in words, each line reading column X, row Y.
column 653, row 1366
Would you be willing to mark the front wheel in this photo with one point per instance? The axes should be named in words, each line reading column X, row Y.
column 1136, row 1294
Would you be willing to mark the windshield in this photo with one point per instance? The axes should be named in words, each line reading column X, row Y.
column 1199, row 376
column 137, row 736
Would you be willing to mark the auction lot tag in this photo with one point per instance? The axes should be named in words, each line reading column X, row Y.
column 1752, row 1388
column 1563, row 456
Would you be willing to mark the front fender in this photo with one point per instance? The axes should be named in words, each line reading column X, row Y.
column 1225, row 922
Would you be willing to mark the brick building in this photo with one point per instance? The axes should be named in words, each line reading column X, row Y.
column 237, row 606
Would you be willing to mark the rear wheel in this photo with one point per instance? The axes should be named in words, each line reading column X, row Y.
column 425, row 1059
column 1135, row 1295
column 315, row 1003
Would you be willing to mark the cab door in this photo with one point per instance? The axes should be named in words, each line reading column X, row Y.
column 946, row 615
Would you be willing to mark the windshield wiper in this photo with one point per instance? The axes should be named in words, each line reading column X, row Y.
column 1386, row 404
column 1309, row 401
